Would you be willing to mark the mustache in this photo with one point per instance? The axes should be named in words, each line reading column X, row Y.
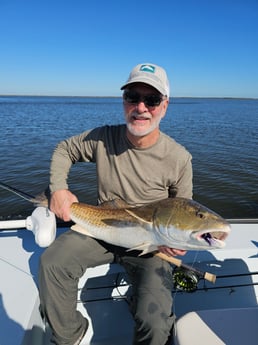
column 136, row 115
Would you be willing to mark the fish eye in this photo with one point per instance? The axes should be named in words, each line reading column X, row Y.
column 199, row 214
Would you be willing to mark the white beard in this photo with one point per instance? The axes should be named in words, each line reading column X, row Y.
column 139, row 131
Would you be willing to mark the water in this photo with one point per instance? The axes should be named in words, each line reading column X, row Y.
column 221, row 134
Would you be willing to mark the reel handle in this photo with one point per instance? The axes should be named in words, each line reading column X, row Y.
column 206, row 275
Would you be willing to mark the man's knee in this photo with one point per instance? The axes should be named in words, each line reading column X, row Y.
column 160, row 321
column 152, row 329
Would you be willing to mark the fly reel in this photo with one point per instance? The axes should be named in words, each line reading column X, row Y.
column 184, row 279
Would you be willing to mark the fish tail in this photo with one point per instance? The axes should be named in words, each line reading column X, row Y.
column 39, row 200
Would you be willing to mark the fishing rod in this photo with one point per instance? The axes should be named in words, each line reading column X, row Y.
column 38, row 200
column 24, row 195
column 123, row 296
column 186, row 277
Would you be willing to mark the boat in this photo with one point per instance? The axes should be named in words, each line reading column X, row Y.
column 217, row 312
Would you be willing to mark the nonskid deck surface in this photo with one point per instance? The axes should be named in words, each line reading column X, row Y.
column 102, row 291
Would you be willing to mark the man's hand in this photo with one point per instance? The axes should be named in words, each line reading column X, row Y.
column 171, row 251
column 60, row 203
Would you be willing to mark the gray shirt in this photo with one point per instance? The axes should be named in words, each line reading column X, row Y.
column 135, row 175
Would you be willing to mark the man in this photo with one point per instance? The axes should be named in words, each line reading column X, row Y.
column 137, row 164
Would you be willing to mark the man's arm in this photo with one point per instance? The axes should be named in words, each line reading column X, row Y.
column 61, row 198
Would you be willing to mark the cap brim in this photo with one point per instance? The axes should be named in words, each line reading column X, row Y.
column 145, row 81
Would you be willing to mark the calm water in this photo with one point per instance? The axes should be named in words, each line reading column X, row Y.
column 221, row 134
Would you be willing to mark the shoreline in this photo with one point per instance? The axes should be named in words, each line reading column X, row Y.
column 174, row 97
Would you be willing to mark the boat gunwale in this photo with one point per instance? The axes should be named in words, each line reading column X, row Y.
column 242, row 220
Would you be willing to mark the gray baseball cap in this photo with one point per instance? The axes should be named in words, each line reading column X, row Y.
column 150, row 74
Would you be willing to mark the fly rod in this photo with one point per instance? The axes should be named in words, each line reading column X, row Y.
column 177, row 262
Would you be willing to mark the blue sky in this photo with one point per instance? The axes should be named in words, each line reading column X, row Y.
column 87, row 47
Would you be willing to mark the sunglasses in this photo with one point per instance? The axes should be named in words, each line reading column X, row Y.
column 134, row 97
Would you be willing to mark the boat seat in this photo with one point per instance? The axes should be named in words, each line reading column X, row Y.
column 218, row 327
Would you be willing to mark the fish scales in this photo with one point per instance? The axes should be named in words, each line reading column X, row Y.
column 114, row 226
column 102, row 217
column 176, row 223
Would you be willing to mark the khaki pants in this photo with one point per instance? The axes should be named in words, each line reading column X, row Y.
column 65, row 261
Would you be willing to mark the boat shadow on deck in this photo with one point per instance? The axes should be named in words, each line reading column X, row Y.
column 19, row 305
column 104, row 292
column 235, row 286
column 105, row 299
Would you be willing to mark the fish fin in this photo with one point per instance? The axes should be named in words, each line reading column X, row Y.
column 145, row 248
column 132, row 213
column 81, row 230
column 113, row 204
column 41, row 199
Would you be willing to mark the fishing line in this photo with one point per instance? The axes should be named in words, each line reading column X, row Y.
column 23, row 195
column 16, row 267
column 38, row 200
column 186, row 278
column 119, row 282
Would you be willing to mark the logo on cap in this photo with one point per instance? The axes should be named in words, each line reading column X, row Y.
column 147, row 68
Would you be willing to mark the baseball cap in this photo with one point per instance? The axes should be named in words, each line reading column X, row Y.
column 150, row 74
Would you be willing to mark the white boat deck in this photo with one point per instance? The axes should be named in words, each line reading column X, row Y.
column 101, row 294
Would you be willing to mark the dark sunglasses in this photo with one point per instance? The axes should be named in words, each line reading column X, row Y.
column 134, row 97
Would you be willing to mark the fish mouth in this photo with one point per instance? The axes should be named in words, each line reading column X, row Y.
column 214, row 238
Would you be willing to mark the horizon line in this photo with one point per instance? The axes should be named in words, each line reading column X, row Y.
column 75, row 96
